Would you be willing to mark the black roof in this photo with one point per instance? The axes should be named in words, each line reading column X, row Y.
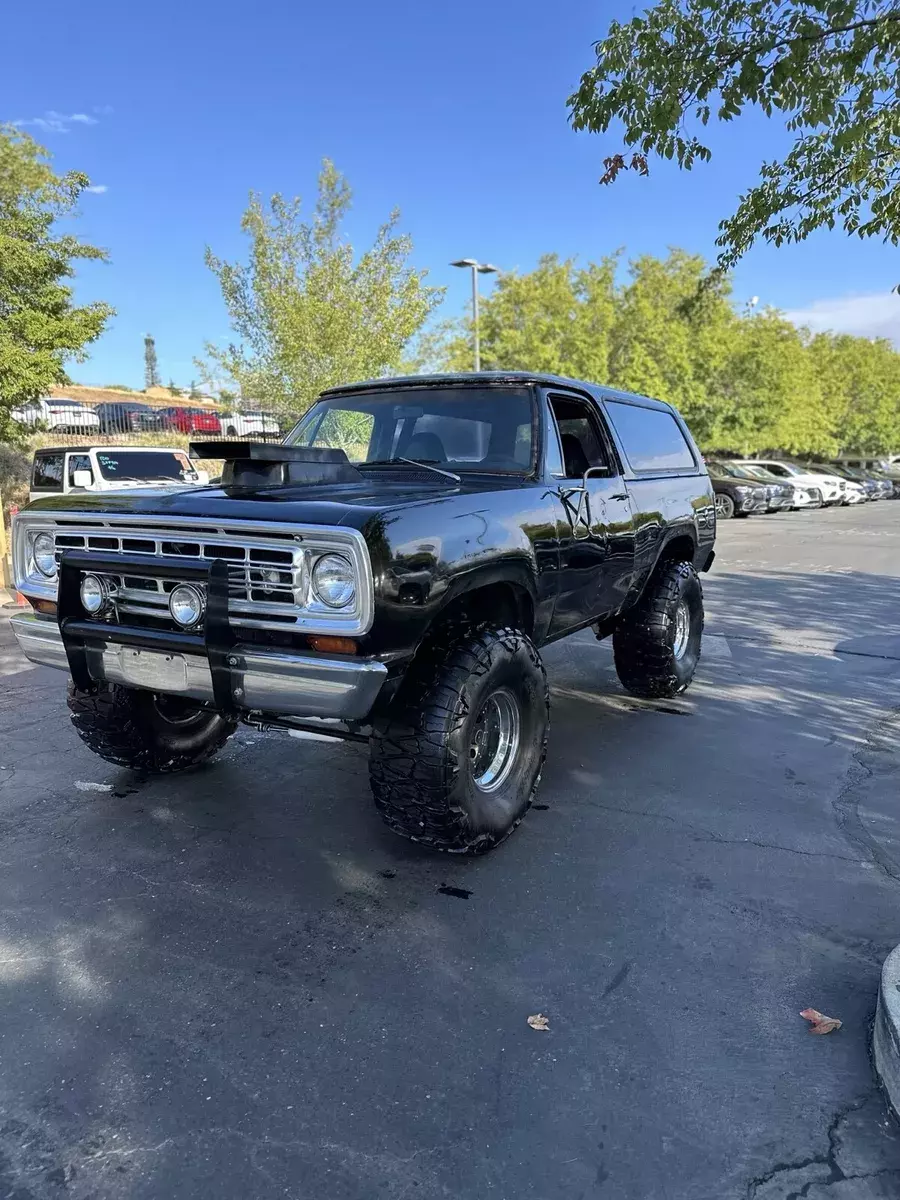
column 488, row 378
column 95, row 446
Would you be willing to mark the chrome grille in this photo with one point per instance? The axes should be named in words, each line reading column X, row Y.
column 264, row 579
column 269, row 566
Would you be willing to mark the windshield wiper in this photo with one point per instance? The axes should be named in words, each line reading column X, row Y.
column 412, row 462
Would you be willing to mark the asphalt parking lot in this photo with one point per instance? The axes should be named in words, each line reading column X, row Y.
column 237, row 984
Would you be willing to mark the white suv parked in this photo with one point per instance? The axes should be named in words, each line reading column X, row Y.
column 834, row 489
column 248, row 424
column 58, row 414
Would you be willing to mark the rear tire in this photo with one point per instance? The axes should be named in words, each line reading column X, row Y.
column 457, row 760
column 656, row 645
column 146, row 732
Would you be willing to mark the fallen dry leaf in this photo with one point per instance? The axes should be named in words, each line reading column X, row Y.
column 539, row 1021
column 818, row 1022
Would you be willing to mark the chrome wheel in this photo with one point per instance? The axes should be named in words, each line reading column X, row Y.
column 682, row 630
column 495, row 740
column 724, row 506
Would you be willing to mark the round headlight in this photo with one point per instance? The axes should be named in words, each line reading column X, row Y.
column 333, row 581
column 94, row 594
column 44, row 551
column 186, row 604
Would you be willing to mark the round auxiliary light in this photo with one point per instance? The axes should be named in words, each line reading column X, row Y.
column 333, row 581
column 94, row 594
column 187, row 605
column 44, row 552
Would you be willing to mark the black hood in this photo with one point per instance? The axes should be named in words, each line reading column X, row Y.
column 349, row 504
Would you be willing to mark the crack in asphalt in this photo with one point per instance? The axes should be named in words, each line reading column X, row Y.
column 828, row 1161
column 708, row 835
column 846, row 803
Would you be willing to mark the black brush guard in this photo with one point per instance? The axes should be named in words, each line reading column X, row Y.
column 215, row 642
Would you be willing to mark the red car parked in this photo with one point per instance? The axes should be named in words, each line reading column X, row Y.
column 192, row 420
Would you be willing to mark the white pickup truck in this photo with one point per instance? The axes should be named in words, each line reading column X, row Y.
column 59, row 470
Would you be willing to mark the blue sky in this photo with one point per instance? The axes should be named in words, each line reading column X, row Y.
column 455, row 113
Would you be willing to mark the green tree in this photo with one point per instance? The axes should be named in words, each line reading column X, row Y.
column 194, row 394
column 40, row 326
column 745, row 382
column 151, row 365
column 670, row 343
column 770, row 396
column 860, row 381
column 307, row 312
column 829, row 68
column 556, row 318
column 176, row 391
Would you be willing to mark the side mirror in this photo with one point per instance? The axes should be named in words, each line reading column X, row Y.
column 82, row 479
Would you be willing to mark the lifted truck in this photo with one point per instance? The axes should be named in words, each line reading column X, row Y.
column 388, row 574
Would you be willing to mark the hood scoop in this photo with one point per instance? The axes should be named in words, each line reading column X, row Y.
column 262, row 464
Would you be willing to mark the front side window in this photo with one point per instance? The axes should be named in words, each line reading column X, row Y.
column 460, row 428
column 651, row 438
column 48, row 472
column 579, row 437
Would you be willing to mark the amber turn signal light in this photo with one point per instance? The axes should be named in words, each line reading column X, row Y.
column 333, row 645
column 47, row 607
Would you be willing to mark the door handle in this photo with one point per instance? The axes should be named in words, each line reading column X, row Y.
column 619, row 496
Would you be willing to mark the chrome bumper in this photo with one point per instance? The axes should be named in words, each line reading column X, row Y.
column 274, row 682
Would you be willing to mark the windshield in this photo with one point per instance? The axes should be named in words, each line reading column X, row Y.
column 754, row 473
column 461, row 428
column 146, row 465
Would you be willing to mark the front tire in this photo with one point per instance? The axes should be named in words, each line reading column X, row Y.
column 724, row 506
column 656, row 645
column 146, row 732
column 457, row 760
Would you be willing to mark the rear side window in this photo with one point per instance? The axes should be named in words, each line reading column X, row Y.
column 651, row 437
column 48, row 473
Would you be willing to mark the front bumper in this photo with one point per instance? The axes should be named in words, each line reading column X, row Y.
column 750, row 504
column 261, row 680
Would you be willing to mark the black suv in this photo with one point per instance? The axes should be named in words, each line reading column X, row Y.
column 388, row 574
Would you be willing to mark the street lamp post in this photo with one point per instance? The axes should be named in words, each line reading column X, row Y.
column 477, row 269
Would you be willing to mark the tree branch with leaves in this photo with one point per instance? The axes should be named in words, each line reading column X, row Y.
column 829, row 67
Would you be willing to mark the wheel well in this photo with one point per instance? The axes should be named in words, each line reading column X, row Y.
column 503, row 603
column 679, row 549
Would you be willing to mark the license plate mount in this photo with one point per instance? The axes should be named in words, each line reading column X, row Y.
column 153, row 670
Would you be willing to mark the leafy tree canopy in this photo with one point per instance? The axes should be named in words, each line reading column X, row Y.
column 40, row 326
column 829, row 68
column 746, row 382
column 309, row 313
